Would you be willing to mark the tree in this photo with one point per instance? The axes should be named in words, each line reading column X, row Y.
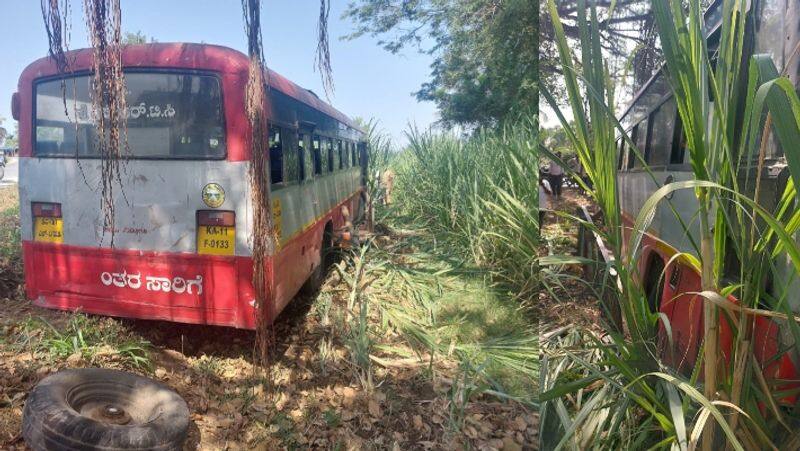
column 135, row 38
column 628, row 38
column 485, row 52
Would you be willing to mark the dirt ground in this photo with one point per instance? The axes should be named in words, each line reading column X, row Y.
column 311, row 397
column 570, row 303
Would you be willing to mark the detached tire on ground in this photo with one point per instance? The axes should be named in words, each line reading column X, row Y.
column 99, row 409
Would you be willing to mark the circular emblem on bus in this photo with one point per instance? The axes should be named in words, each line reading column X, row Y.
column 213, row 195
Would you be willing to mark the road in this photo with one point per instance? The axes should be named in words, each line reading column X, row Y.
column 11, row 176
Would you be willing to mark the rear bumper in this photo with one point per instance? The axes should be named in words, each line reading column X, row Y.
column 180, row 287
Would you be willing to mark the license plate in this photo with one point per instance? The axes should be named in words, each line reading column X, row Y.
column 216, row 240
column 48, row 230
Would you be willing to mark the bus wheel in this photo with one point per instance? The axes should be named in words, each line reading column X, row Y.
column 361, row 210
column 85, row 409
column 317, row 277
column 654, row 283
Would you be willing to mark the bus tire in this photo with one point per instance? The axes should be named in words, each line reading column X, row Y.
column 654, row 282
column 317, row 277
column 361, row 210
column 101, row 409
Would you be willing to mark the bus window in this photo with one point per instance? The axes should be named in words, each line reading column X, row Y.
column 301, row 154
column 292, row 165
column 631, row 152
column 648, row 145
column 326, row 167
column 275, row 155
column 337, row 154
column 329, row 146
column 621, row 153
column 641, row 142
column 678, row 149
column 317, row 153
column 353, row 155
column 661, row 139
column 169, row 115
column 306, row 157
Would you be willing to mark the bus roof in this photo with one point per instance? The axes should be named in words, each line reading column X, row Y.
column 182, row 55
column 713, row 21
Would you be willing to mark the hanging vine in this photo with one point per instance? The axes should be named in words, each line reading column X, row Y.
column 323, row 58
column 104, row 24
column 264, row 238
column 55, row 14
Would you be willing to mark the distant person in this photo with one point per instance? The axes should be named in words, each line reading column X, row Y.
column 556, row 177
column 544, row 192
column 387, row 180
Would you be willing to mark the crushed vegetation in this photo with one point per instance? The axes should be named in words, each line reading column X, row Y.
column 405, row 347
column 566, row 301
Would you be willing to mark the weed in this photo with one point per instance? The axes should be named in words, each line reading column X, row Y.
column 87, row 336
column 325, row 354
column 209, row 366
column 283, row 427
column 332, row 418
column 322, row 308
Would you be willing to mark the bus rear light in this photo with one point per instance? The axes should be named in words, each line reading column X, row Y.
column 216, row 232
column 216, row 218
column 46, row 210
column 48, row 226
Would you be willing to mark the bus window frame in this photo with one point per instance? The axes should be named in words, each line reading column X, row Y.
column 294, row 132
column 631, row 155
column 329, row 155
column 316, row 155
column 649, row 137
column 647, row 116
column 339, row 152
column 308, row 154
column 145, row 70
column 273, row 185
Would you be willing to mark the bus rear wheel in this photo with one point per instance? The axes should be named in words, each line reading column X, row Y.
column 654, row 283
column 317, row 277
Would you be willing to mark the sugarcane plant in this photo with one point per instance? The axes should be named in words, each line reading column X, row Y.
column 628, row 396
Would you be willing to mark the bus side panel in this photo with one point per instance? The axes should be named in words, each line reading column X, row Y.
column 685, row 315
column 305, row 208
column 150, row 285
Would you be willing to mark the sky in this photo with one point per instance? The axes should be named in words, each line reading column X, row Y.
column 369, row 81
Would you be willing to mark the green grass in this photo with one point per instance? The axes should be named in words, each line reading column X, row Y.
column 9, row 227
column 618, row 393
column 449, row 308
column 478, row 196
column 458, row 276
column 86, row 336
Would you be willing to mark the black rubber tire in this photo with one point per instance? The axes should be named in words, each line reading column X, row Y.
column 56, row 415
column 361, row 211
column 654, row 283
column 317, row 277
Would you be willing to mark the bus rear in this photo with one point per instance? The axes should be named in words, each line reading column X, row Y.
column 178, row 248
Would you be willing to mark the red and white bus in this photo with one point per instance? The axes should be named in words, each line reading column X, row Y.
column 182, row 242
column 653, row 124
